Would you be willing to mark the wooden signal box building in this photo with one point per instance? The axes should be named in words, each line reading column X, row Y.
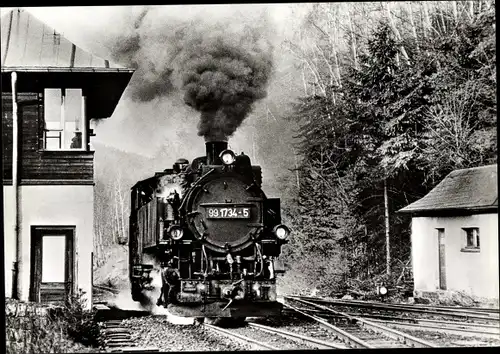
column 51, row 89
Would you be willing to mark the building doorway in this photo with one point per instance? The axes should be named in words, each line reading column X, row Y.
column 52, row 263
column 442, row 260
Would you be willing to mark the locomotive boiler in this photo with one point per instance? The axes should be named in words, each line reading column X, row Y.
column 212, row 223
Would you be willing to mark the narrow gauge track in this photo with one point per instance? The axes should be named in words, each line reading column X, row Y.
column 361, row 333
column 459, row 314
column 478, row 310
column 239, row 337
column 480, row 328
column 458, row 329
column 259, row 336
column 116, row 337
column 442, row 327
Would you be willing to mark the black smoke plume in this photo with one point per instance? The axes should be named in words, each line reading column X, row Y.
column 221, row 66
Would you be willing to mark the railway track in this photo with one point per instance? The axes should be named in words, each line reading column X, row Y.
column 462, row 329
column 424, row 307
column 361, row 333
column 115, row 336
column 419, row 325
column 255, row 344
column 454, row 327
column 464, row 315
column 262, row 337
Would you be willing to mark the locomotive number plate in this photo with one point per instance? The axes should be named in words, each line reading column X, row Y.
column 220, row 212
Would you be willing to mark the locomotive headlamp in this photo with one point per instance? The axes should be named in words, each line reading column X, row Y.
column 227, row 157
column 175, row 232
column 281, row 231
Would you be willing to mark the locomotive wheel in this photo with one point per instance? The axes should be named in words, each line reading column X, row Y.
column 212, row 320
column 199, row 320
column 229, row 322
column 207, row 320
column 240, row 321
column 235, row 321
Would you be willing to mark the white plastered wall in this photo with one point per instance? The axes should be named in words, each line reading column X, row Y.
column 51, row 205
column 475, row 273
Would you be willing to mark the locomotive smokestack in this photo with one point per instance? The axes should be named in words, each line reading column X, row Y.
column 214, row 148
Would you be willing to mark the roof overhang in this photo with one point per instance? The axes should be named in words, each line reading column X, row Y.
column 103, row 87
column 461, row 211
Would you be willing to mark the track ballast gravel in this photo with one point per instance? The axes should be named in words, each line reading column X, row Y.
column 156, row 331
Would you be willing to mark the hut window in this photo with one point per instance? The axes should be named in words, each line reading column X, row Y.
column 472, row 237
column 64, row 119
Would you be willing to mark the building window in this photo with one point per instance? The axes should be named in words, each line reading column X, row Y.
column 64, row 114
column 471, row 238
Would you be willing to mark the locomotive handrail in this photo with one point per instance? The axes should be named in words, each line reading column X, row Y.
column 196, row 184
column 257, row 246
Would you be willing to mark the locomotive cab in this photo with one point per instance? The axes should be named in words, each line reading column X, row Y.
column 214, row 219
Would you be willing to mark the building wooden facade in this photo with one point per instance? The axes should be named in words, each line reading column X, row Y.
column 51, row 90
column 455, row 235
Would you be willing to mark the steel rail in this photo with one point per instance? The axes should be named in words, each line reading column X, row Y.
column 233, row 335
column 436, row 328
column 340, row 333
column 401, row 308
column 446, row 309
column 430, row 307
column 389, row 332
column 405, row 319
column 295, row 336
column 457, row 324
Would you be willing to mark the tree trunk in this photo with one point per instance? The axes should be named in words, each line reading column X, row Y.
column 296, row 169
column 413, row 27
column 396, row 32
column 353, row 40
column 387, row 234
column 471, row 11
column 443, row 23
column 304, row 82
column 426, row 20
column 455, row 12
column 116, row 233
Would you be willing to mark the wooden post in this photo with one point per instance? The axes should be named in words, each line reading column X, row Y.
column 387, row 234
column 91, row 280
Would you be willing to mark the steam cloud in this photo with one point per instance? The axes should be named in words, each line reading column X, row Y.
column 221, row 61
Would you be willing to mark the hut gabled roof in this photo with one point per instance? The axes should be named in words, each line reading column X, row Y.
column 44, row 58
column 470, row 189
column 28, row 44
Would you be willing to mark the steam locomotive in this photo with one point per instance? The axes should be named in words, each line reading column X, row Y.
column 211, row 221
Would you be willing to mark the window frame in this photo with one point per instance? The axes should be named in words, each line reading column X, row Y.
column 476, row 239
column 84, row 118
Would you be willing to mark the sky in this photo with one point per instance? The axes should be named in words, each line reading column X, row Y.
column 90, row 27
